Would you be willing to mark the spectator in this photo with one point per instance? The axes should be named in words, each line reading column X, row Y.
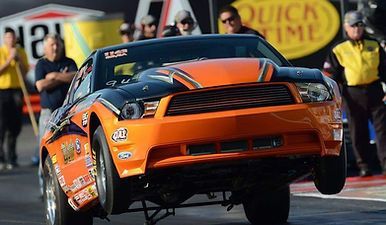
column 13, row 60
column 358, row 64
column 231, row 20
column 53, row 74
column 148, row 28
column 185, row 22
column 126, row 30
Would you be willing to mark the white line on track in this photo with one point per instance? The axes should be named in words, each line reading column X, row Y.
column 318, row 195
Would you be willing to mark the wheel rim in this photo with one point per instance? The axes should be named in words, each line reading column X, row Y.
column 101, row 178
column 50, row 199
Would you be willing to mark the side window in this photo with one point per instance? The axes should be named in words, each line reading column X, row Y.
column 80, row 85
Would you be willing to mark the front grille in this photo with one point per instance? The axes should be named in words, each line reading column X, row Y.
column 229, row 99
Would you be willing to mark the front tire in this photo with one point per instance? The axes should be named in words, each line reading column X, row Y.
column 330, row 173
column 112, row 192
column 268, row 207
column 58, row 211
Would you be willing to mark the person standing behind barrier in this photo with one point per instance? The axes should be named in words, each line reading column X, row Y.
column 185, row 22
column 148, row 28
column 13, row 60
column 183, row 25
column 53, row 75
column 231, row 20
column 126, row 30
column 358, row 64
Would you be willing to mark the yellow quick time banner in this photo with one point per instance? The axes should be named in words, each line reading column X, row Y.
column 296, row 28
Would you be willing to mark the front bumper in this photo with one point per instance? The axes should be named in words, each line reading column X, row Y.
column 164, row 141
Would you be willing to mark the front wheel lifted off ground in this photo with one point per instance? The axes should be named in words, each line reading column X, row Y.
column 330, row 173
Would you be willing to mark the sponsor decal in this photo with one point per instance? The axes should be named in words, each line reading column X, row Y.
column 62, row 181
column 92, row 191
column 86, row 179
column 115, row 54
column 119, row 135
column 85, row 195
column 54, row 159
column 89, row 162
column 86, row 149
column 81, row 182
column 66, row 189
column 112, row 83
column 84, row 119
column 77, row 146
column 92, row 172
column 68, row 152
column 124, row 155
column 57, row 170
column 75, row 186
column 297, row 28
column 77, row 199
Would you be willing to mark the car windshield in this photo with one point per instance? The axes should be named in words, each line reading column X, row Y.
column 120, row 65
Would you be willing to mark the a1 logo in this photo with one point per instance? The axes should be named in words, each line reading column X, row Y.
column 119, row 135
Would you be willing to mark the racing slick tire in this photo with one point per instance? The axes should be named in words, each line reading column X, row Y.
column 112, row 192
column 330, row 172
column 268, row 207
column 58, row 211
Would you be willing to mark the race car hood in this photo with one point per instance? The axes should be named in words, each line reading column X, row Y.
column 209, row 73
column 219, row 72
column 161, row 81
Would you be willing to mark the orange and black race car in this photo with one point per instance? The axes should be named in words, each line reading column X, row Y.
column 159, row 121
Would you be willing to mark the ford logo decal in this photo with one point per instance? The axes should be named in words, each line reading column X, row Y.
column 124, row 155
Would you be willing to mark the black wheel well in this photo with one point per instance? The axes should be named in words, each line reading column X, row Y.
column 44, row 155
column 93, row 125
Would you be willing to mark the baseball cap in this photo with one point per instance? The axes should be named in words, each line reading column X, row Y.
column 183, row 15
column 126, row 28
column 148, row 20
column 353, row 17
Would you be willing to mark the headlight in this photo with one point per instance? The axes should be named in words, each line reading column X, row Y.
column 131, row 111
column 135, row 110
column 313, row 92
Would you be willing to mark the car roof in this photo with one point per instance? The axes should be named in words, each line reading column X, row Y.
column 176, row 39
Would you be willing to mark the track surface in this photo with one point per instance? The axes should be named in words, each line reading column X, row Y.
column 363, row 201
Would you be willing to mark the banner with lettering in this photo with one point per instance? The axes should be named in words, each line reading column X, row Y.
column 297, row 28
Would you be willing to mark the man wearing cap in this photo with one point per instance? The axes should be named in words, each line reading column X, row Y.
column 358, row 65
column 126, row 30
column 149, row 28
column 185, row 22
column 230, row 18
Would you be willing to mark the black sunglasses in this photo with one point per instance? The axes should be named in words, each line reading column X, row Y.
column 188, row 21
column 229, row 19
column 360, row 24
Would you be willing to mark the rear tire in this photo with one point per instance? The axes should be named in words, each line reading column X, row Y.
column 112, row 192
column 269, row 207
column 57, row 209
column 330, row 173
